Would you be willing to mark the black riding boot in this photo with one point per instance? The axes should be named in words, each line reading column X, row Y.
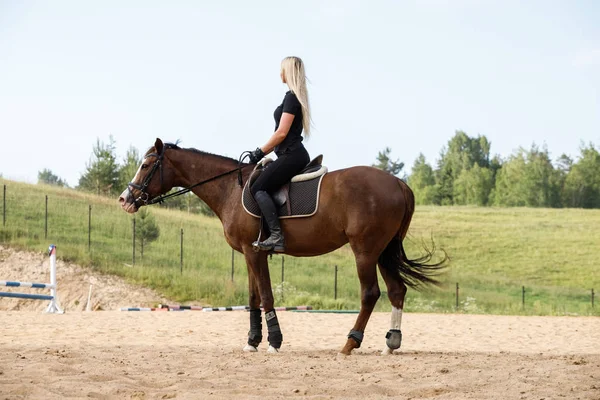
column 274, row 242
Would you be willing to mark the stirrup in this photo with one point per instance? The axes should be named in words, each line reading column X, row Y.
column 258, row 246
column 255, row 246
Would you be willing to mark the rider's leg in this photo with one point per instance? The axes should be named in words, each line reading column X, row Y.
column 275, row 175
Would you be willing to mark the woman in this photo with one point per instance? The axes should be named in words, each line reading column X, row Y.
column 291, row 117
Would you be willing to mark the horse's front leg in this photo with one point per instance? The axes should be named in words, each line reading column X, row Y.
column 260, row 281
column 255, row 333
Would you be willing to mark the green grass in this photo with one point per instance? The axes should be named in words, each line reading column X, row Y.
column 494, row 252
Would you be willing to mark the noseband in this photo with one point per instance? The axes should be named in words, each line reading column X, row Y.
column 144, row 198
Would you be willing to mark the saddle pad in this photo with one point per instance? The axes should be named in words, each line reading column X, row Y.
column 304, row 200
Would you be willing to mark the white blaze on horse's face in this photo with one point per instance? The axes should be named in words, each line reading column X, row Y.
column 136, row 177
column 126, row 198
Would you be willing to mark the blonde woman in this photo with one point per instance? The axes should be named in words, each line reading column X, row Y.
column 292, row 116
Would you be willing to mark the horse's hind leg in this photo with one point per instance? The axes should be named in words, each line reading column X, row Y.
column 396, row 293
column 370, row 293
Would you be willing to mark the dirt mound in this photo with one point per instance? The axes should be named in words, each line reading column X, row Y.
column 108, row 292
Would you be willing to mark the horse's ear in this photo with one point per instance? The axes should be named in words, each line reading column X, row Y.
column 158, row 145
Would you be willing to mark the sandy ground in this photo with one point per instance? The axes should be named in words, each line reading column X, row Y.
column 197, row 355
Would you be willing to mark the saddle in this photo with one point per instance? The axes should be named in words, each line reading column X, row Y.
column 297, row 198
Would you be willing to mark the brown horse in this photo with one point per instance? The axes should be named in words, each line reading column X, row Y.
column 363, row 206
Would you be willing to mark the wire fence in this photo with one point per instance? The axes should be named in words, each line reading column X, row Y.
column 289, row 275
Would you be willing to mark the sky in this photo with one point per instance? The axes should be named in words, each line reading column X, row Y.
column 398, row 74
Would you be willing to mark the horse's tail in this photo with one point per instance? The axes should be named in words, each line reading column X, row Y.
column 420, row 271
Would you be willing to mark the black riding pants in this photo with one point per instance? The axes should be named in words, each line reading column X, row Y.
column 280, row 171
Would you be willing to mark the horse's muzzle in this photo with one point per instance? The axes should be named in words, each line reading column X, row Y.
column 127, row 202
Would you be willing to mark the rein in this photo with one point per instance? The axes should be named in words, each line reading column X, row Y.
column 162, row 198
column 144, row 197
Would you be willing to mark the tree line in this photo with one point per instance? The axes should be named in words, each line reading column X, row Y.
column 465, row 174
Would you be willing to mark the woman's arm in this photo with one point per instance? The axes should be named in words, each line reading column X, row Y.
column 279, row 135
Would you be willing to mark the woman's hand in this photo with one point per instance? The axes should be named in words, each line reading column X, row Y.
column 256, row 155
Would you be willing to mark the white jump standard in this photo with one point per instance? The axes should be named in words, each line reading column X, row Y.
column 54, row 306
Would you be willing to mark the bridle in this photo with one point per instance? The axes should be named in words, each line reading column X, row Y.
column 144, row 198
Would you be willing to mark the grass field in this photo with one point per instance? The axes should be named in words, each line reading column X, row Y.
column 494, row 252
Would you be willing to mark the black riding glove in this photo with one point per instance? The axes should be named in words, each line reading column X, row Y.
column 256, row 155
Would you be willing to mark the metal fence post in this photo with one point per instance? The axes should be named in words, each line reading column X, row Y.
column 90, row 228
column 181, row 252
column 232, row 263
column 4, row 207
column 133, row 244
column 282, row 275
column 457, row 295
column 592, row 298
column 46, row 220
column 335, row 283
column 523, row 300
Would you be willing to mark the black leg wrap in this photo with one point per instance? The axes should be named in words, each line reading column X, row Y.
column 255, row 334
column 275, row 337
column 393, row 339
column 357, row 336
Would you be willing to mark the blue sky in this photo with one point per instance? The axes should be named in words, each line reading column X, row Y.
column 403, row 74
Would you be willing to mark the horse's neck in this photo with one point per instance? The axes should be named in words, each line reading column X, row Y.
column 196, row 167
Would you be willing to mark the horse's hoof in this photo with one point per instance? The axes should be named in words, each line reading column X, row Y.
column 272, row 350
column 393, row 339
column 342, row 356
column 250, row 349
column 387, row 352
column 351, row 344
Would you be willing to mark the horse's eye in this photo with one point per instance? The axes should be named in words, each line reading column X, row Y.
column 144, row 166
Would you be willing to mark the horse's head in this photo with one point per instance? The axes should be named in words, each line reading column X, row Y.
column 152, row 179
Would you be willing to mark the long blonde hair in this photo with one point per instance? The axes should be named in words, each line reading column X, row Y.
column 295, row 77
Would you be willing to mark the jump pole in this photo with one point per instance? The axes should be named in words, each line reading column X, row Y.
column 230, row 308
column 53, row 307
column 26, row 296
column 233, row 308
column 244, row 308
column 180, row 307
column 328, row 311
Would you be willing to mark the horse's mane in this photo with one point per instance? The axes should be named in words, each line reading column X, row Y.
column 176, row 147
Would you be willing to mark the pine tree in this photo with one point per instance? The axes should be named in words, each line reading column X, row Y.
column 146, row 229
column 102, row 172
column 386, row 164
column 422, row 182
column 46, row 176
column 128, row 169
